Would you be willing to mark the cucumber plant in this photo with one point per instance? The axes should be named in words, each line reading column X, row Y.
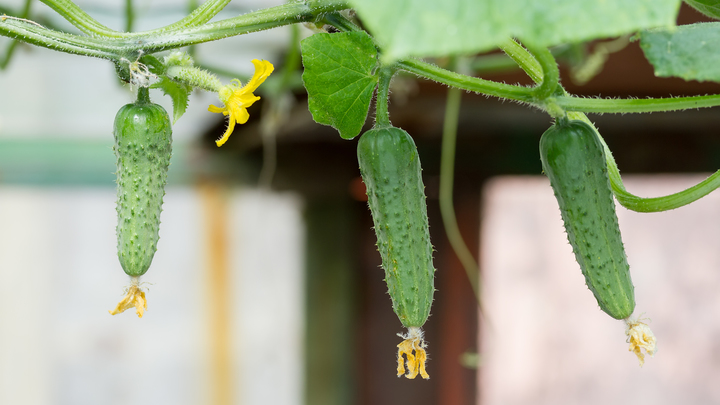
column 143, row 145
column 390, row 168
column 573, row 158
column 342, row 66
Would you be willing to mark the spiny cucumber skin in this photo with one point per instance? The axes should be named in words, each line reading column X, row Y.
column 390, row 168
column 143, row 145
column 573, row 158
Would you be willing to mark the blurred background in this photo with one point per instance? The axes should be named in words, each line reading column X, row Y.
column 266, row 287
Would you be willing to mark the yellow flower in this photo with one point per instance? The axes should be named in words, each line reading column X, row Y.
column 413, row 347
column 640, row 337
column 134, row 298
column 237, row 98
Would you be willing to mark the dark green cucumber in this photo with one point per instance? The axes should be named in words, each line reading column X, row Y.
column 390, row 168
column 143, row 139
column 574, row 160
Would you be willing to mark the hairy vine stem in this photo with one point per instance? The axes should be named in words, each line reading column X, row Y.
column 199, row 16
column 47, row 38
column 80, row 19
column 103, row 42
column 550, row 73
column 447, row 174
column 469, row 83
column 129, row 15
column 541, row 96
column 640, row 105
column 108, row 44
column 5, row 59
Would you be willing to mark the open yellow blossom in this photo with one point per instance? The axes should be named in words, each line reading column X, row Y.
column 237, row 98
column 640, row 337
column 413, row 347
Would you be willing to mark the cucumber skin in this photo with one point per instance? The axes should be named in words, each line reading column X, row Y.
column 143, row 145
column 574, row 160
column 390, row 168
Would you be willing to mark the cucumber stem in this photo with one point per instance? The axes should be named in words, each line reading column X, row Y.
column 382, row 115
column 143, row 96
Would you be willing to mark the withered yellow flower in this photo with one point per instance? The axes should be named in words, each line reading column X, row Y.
column 640, row 338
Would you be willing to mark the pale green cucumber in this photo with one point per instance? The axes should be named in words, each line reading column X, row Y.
column 143, row 139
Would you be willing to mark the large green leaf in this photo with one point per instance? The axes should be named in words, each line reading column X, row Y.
column 710, row 8
column 339, row 78
column 437, row 28
column 691, row 52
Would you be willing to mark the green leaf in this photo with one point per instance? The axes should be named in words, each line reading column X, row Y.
column 339, row 79
column 691, row 52
column 438, row 28
column 710, row 8
column 178, row 92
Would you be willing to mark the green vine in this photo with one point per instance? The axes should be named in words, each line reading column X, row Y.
column 645, row 105
column 198, row 17
column 103, row 42
column 129, row 15
column 128, row 49
column 80, row 19
column 550, row 71
column 108, row 44
column 447, row 174
column 5, row 59
column 440, row 75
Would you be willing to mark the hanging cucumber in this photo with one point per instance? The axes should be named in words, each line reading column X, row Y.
column 573, row 159
column 390, row 168
column 143, row 139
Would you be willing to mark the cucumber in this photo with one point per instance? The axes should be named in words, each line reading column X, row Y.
column 143, row 145
column 574, row 160
column 390, row 168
